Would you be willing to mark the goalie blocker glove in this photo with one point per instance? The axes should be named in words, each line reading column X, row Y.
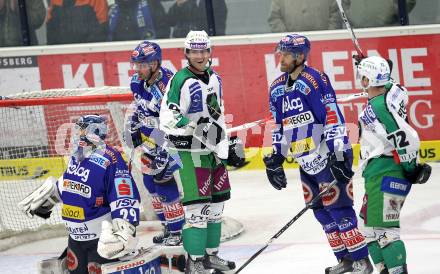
column 41, row 201
column 275, row 171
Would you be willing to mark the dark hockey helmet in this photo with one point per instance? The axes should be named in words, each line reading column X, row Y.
column 146, row 52
column 92, row 128
column 295, row 44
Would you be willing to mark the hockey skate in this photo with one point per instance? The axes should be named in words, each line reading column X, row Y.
column 173, row 239
column 217, row 263
column 345, row 265
column 195, row 267
column 362, row 266
column 159, row 239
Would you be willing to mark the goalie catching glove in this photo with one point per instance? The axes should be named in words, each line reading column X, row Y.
column 41, row 201
column 117, row 240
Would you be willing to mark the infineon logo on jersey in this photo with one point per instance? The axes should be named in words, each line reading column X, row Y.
column 77, row 188
column 298, row 120
column 124, row 187
column 72, row 212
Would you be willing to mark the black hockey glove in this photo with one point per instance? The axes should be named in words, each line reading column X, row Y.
column 209, row 132
column 275, row 171
column 339, row 168
column 236, row 156
column 420, row 175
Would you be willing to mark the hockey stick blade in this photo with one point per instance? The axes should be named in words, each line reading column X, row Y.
column 285, row 227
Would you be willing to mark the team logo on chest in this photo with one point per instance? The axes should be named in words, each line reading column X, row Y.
column 78, row 170
column 292, row 104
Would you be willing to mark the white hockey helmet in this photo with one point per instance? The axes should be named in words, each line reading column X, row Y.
column 376, row 69
column 197, row 40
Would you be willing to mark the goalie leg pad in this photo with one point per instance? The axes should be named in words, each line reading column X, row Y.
column 117, row 240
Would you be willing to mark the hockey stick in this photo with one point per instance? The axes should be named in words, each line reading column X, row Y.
column 347, row 24
column 284, row 228
column 265, row 120
column 248, row 125
column 352, row 97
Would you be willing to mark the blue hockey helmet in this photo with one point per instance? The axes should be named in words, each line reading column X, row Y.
column 295, row 44
column 146, row 52
column 93, row 128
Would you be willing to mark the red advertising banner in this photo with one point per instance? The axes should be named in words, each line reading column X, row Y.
column 247, row 71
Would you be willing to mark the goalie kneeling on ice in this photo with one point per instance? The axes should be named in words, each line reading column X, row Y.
column 154, row 259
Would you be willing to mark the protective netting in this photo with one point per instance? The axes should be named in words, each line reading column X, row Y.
column 35, row 144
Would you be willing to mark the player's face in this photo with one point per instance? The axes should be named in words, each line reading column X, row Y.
column 198, row 58
column 288, row 60
column 144, row 70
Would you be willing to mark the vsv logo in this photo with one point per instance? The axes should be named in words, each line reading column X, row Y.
column 78, row 171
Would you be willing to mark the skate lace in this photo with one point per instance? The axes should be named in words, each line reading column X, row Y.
column 360, row 267
column 199, row 268
column 173, row 239
column 214, row 259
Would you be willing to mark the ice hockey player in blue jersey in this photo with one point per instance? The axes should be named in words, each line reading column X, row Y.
column 148, row 85
column 100, row 201
column 310, row 127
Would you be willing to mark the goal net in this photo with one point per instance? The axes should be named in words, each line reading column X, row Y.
column 35, row 143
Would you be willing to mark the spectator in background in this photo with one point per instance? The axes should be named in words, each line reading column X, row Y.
column 220, row 15
column 77, row 21
column 375, row 13
column 137, row 20
column 304, row 15
column 183, row 16
column 10, row 26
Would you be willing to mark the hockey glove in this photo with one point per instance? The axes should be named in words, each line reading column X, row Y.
column 339, row 167
column 236, row 156
column 420, row 175
column 275, row 171
column 209, row 133
column 154, row 163
column 41, row 201
column 117, row 240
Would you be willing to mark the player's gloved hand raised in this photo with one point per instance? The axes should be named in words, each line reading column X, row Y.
column 420, row 175
column 339, row 167
column 275, row 171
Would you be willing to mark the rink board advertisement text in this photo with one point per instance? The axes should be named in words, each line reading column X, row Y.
column 247, row 70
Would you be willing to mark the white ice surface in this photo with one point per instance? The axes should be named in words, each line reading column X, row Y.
column 303, row 248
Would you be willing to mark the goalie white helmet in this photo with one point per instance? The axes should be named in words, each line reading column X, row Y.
column 197, row 40
column 376, row 69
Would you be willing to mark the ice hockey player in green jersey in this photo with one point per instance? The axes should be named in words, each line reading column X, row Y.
column 192, row 116
column 389, row 150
